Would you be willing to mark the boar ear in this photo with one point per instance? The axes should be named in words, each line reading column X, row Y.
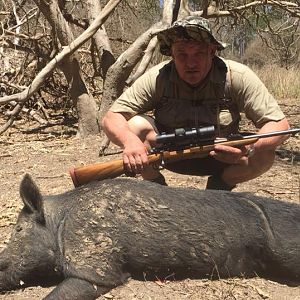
column 32, row 197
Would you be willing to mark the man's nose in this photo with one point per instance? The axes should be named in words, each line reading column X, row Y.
column 190, row 62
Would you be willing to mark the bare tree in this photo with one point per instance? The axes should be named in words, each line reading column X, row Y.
column 98, row 55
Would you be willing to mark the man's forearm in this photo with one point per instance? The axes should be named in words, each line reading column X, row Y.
column 116, row 128
column 272, row 142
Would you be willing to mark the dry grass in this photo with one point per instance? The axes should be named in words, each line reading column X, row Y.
column 282, row 83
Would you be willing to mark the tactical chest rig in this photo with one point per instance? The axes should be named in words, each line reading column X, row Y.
column 214, row 106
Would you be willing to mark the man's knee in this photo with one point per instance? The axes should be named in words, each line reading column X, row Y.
column 261, row 162
column 143, row 127
column 257, row 165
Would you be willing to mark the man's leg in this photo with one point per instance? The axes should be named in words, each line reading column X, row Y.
column 224, row 176
column 251, row 168
column 204, row 166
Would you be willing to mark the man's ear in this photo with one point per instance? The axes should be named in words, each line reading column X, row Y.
column 213, row 49
column 172, row 52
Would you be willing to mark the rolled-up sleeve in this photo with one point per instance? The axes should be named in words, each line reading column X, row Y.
column 141, row 96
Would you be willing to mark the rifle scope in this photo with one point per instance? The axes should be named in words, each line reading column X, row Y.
column 183, row 135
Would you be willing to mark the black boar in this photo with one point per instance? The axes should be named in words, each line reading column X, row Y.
column 92, row 238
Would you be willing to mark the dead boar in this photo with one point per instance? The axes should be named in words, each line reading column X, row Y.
column 90, row 239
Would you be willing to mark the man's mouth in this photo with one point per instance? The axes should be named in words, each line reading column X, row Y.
column 192, row 70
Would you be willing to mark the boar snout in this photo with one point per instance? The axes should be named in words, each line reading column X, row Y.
column 5, row 275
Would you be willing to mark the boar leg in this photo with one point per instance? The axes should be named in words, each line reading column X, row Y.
column 76, row 289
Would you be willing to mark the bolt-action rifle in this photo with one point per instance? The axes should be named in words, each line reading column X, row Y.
column 179, row 145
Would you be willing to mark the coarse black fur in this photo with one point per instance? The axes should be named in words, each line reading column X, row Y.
column 92, row 238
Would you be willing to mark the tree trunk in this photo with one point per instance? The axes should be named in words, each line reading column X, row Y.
column 83, row 101
column 119, row 72
column 101, row 40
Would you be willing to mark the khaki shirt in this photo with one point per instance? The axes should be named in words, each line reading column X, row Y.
column 177, row 104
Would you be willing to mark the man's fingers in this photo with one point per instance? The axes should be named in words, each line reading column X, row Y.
column 135, row 163
column 241, row 150
column 144, row 159
column 127, row 164
column 230, row 156
column 138, row 165
column 226, row 149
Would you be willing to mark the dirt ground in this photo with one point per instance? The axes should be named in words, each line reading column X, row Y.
column 48, row 154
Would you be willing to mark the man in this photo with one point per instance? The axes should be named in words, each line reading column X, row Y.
column 196, row 88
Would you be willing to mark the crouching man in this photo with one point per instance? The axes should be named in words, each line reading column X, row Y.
column 196, row 88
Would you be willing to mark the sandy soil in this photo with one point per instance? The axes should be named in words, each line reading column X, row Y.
column 48, row 154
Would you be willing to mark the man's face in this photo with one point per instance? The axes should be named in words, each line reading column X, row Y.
column 193, row 60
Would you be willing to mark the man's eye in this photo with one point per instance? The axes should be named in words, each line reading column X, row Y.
column 181, row 55
column 201, row 53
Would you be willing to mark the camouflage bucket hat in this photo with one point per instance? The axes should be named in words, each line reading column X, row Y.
column 190, row 28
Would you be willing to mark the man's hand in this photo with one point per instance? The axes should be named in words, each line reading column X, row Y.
column 135, row 155
column 239, row 155
column 230, row 155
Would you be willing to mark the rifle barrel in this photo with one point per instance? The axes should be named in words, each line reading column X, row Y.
column 265, row 135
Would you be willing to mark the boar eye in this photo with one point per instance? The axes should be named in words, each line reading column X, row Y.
column 18, row 228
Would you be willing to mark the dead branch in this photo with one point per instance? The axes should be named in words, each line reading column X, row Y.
column 13, row 114
column 24, row 36
column 183, row 9
column 121, row 69
column 144, row 62
column 12, row 85
column 31, row 112
column 204, row 6
column 101, row 40
column 15, row 45
column 167, row 15
column 24, row 20
column 67, row 51
column 290, row 7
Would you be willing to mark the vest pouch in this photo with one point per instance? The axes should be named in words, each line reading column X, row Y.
column 225, row 117
column 229, row 122
column 174, row 113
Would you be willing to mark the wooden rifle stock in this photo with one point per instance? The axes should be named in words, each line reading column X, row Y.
column 100, row 171
column 111, row 169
